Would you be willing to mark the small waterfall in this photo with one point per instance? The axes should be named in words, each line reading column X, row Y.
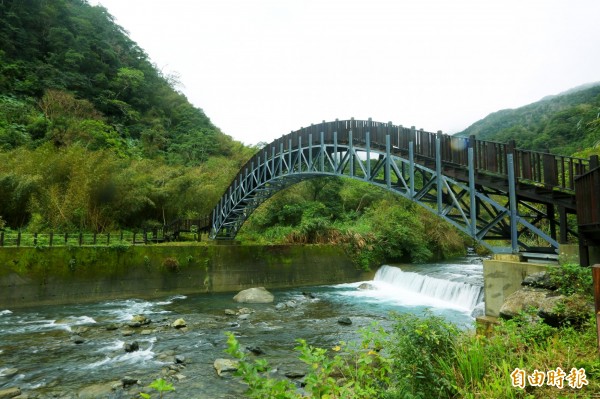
column 459, row 294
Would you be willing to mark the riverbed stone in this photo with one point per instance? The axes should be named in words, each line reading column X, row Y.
column 139, row 321
column 102, row 390
column 254, row 295
column 9, row 373
column 77, row 339
column 9, row 392
column 294, row 374
column 129, row 381
column 179, row 359
column 225, row 365
column 127, row 332
column 179, row 323
column 230, row 312
column 255, row 349
column 131, row 347
column 245, row 316
column 345, row 321
column 366, row 286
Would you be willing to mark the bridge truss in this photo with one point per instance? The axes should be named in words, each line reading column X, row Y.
column 490, row 191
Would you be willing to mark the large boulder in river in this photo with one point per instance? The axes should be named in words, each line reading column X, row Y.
column 254, row 295
column 522, row 300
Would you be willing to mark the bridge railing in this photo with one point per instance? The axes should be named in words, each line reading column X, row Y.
column 544, row 169
column 588, row 198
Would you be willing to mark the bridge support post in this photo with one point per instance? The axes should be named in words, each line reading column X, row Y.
column 512, row 194
column 351, row 153
column 388, row 160
column 472, row 198
column 438, row 173
column 322, row 158
column 290, row 166
column 310, row 160
column 411, row 169
column 299, row 154
column 335, row 152
column 368, row 148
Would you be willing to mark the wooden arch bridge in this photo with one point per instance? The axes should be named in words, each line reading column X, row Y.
column 491, row 191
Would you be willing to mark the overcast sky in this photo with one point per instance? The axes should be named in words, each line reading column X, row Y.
column 262, row 68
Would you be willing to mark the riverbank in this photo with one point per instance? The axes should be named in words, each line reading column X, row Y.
column 62, row 275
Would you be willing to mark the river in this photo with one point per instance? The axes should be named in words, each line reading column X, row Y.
column 71, row 350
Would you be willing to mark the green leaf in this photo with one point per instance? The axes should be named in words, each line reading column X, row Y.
column 161, row 385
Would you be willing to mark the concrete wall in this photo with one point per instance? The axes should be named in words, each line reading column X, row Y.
column 30, row 276
column 502, row 276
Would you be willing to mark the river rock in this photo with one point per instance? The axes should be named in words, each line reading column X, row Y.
column 129, row 381
column 245, row 316
column 256, row 350
column 128, row 332
column 478, row 310
column 139, row 320
column 225, row 366
column 286, row 305
column 9, row 373
column 345, row 321
column 254, row 295
column 557, row 310
column 230, row 312
column 179, row 323
column 523, row 299
column 103, row 390
column 245, row 311
column 366, row 286
column 112, row 327
column 77, row 339
column 539, row 280
column 131, row 347
column 309, row 295
column 179, row 359
column 9, row 393
column 294, row 374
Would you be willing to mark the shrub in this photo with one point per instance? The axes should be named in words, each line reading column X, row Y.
column 171, row 264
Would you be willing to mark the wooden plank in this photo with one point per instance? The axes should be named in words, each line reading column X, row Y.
column 526, row 169
column 550, row 172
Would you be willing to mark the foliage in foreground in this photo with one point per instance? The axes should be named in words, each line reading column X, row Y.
column 428, row 357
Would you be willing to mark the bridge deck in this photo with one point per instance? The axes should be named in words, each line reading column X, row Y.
column 541, row 184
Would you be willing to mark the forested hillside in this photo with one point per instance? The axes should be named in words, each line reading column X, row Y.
column 92, row 135
column 94, row 138
column 566, row 124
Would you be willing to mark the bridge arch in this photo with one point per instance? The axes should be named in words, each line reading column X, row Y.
column 490, row 191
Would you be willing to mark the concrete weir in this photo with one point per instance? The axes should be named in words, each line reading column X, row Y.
column 34, row 276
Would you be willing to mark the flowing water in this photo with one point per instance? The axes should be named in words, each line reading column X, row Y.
column 62, row 351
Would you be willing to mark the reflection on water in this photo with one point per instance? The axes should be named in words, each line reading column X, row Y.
column 62, row 349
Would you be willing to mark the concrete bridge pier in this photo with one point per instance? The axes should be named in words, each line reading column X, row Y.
column 504, row 273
